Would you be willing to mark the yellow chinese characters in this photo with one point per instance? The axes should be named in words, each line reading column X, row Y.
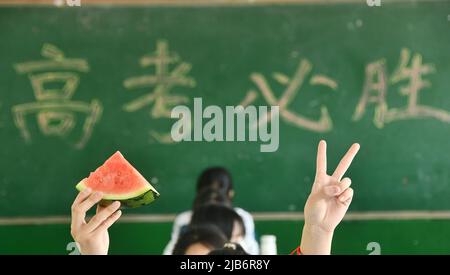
column 292, row 87
column 169, row 72
column 54, row 81
column 409, row 69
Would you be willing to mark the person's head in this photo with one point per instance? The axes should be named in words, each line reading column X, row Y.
column 210, row 196
column 229, row 249
column 199, row 240
column 216, row 178
column 223, row 217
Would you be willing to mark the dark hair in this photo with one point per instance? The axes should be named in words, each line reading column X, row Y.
column 210, row 196
column 229, row 249
column 219, row 215
column 216, row 178
column 208, row 235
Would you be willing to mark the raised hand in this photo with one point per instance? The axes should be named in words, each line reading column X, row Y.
column 330, row 196
column 92, row 237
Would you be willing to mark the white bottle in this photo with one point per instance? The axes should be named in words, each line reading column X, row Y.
column 268, row 245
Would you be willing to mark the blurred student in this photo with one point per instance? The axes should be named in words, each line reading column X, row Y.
column 229, row 249
column 199, row 240
column 223, row 217
column 199, row 237
column 215, row 185
column 325, row 208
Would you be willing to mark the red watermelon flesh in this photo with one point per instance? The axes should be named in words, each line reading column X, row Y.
column 117, row 179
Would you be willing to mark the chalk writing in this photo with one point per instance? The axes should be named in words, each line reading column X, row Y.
column 409, row 69
column 54, row 81
column 292, row 87
column 169, row 72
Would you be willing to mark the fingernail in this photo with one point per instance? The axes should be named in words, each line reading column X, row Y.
column 116, row 203
column 98, row 194
column 87, row 190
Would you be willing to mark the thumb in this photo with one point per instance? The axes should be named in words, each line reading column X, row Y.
column 331, row 190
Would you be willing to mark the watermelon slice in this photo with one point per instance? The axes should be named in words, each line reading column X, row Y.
column 118, row 180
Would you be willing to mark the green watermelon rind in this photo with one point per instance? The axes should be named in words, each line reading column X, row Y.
column 144, row 199
column 122, row 197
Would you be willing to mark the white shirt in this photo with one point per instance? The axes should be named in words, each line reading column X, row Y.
column 249, row 243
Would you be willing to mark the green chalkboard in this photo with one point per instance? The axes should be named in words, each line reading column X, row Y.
column 77, row 84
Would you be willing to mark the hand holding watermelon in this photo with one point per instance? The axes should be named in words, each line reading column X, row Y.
column 328, row 202
column 92, row 237
column 113, row 184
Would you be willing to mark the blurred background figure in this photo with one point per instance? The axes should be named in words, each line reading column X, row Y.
column 223, row 217
column 215, row 187
column 229, row 249
column 199, row 240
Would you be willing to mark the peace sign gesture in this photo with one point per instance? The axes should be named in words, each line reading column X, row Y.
column 331, row 195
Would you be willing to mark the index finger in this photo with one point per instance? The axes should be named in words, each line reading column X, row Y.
column 345, row 162
column 79, row 210
column 321, row 163
column 81, row 196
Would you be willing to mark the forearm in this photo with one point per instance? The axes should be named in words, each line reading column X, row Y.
column 316, row 241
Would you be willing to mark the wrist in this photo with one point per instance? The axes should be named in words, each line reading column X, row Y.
column 316, row 240
column 92, row 250
column 317, row 230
